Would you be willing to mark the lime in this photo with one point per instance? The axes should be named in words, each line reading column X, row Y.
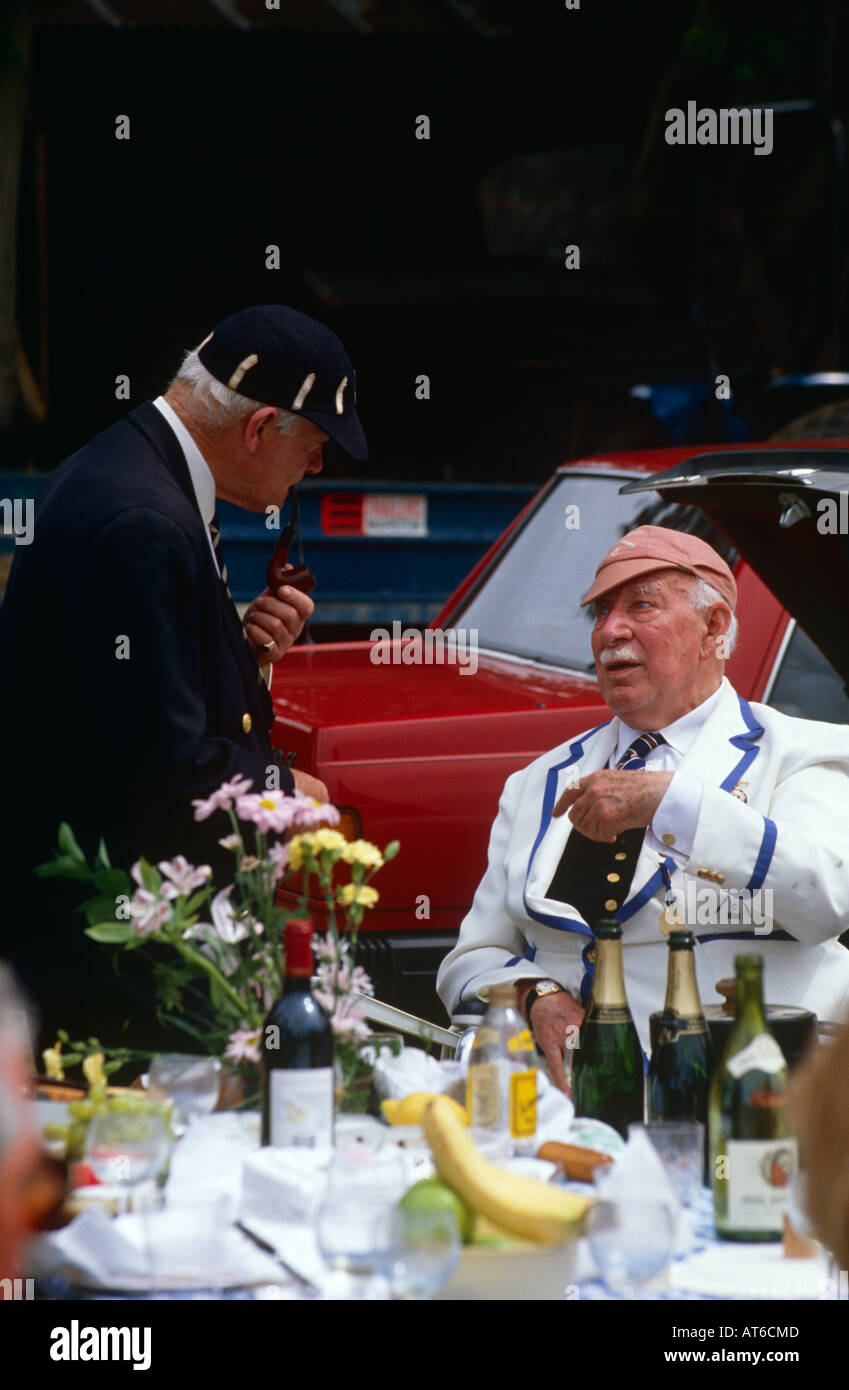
column 434, row 1195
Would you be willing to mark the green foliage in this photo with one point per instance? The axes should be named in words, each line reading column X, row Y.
column 64, row 866
column 68, row 844
column 111, row 933
column 214, row 963
column 150, row 876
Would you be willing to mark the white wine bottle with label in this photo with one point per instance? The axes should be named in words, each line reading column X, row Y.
column 753, row 1154
column 501, row 1090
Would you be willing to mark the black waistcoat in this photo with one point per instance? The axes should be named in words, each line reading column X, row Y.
column 584, row 878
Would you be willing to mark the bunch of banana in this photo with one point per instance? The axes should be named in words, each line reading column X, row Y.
column 534, row 1210
column 411, row 1110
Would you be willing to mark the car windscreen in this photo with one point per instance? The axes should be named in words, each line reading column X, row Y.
column 527, row 603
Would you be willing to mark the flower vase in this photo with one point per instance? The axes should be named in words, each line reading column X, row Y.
column 354, row 1081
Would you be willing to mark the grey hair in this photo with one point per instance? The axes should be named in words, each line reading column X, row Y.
column 218, row 405
column 702, row 595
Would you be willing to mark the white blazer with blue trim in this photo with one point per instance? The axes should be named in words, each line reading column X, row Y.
column 790, row 836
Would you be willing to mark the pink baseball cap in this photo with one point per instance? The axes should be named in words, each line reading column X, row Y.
column 656, row 548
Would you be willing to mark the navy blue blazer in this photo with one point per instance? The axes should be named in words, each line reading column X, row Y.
column 126, row 688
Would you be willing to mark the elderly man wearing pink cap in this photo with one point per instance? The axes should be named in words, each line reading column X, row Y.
column 737, row 809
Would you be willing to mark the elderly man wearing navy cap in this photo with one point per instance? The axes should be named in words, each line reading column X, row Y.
column 688, row 795
column 130, row 685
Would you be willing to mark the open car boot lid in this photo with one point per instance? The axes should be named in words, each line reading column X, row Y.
column 787, row 512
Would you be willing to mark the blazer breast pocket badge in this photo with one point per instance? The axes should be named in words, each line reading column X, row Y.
column 738, row 790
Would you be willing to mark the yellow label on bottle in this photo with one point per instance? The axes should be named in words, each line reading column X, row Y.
column 521, row 1042
column 523, row 1103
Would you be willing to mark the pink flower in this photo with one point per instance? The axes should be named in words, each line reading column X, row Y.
column 149, row 912
column 225, row 925
column 230, row 842
column 361, row 982
column 183, row 875
column 278, row 857
column 324, row 948
column 309, row 813
column 263, row 990
column 269, row 810
column 347, row 1021
column 244, row 1045
column 223, row 798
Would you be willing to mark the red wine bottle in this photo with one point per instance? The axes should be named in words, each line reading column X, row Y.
column 297, row 1055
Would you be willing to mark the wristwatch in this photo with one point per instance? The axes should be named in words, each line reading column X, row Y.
column 541, row 987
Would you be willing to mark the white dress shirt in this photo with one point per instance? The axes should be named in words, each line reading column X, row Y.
column 203, row 483
column 199, row 470
column 678, row 812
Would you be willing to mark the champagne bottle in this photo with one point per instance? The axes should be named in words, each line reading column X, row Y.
column 501, row 1089
column 753, row 1153
column 297, row 1055
column 607, row 1073
column 681, row 1050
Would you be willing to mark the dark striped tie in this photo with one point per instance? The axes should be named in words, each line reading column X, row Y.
column 636, row 753
column 215, row 533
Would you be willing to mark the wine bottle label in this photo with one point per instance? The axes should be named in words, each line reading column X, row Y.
column 484, row 1095
column 761, row 1054
column 759, row 1173
column 523, row 1103
column 520, row 1042
column 606, row 1013
column 301, row 1105
column 672, row 1030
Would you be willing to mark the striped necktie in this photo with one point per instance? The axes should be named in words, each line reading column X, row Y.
column 215, row 533
column 636, row 753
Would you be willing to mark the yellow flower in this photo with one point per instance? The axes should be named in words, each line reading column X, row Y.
column 362, row 852
column 93, row 1069
column 327, row 839
column 53, row 1062
column 313, row 841
column 296, row 853
column 358, row 893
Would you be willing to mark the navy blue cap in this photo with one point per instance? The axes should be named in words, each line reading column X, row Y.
column 283, row 358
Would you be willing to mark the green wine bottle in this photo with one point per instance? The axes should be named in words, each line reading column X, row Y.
column 607, row 1073
column 682, row 1057
column 753, row 1153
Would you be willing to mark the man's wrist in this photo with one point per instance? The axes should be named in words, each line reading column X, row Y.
column 523, row 989
column 539, row 989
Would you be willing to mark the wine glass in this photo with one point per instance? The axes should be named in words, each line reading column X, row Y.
column 126, row 1148
column 355, row 1222
column 191, row 1083
column 679, row 1145
column 631, row 1242
column 425, row 1252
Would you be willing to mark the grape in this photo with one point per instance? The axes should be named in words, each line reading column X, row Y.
column 81, row 1109
column 97, row 1102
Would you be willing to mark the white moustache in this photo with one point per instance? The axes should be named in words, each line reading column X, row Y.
column 618, row 654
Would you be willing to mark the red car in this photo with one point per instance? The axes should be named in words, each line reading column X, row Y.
column 420, row 752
